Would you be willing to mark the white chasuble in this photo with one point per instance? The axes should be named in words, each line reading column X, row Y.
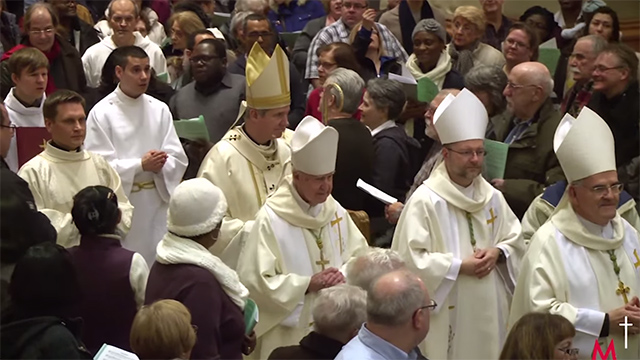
column 433, row 236
column 123, row 130
column 282, row 253
column 55, row 176
column 247, row 174
column 568, row 271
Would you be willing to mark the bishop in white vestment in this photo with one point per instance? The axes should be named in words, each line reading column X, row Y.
column 583, row 263
column 301, row 231
column 250, row 160
column 458, row 233
column 123, row 129
column 21, row 116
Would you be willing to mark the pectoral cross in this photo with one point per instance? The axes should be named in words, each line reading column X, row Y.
column 492, row 219
column 322, row 262
column 44, row 144
column 637, row 263
column 337, row 222
column 623, row 290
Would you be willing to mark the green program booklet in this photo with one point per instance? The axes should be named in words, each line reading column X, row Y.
column 192, row 129
column 251, row 316
column 495, row 161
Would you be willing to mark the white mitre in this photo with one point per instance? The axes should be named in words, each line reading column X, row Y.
column 314, row 147
column 459, row 118
column 584, row 145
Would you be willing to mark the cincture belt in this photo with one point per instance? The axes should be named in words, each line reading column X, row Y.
column 142, row 186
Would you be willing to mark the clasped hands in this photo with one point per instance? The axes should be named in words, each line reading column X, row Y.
column 617, row 317
column 324, row 279
column 154, row 160
column 481, row 263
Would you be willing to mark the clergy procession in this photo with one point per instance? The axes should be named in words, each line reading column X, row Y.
column 307, row 179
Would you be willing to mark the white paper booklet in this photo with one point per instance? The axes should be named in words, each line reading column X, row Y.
column 109, row 352
column 376, row 193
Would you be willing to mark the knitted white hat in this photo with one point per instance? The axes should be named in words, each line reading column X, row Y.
column 196, row 208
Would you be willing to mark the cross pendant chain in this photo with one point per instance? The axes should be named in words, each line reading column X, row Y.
column 622, row 289
column 322, row 262
column 471, row 234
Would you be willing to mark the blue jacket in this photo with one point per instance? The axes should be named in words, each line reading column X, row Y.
column 293, row 17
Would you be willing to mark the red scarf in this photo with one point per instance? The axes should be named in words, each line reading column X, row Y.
column 51, row 55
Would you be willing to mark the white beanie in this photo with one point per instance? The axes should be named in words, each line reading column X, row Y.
column 196, row 208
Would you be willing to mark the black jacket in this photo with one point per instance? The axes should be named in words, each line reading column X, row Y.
column 312, row 347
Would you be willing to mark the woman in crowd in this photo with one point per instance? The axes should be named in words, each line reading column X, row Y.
column 156, row 29
column 163, row 331
column 540, row 336
column 488, row 83
column 370, row 50
column 143, row 26
column 186, row 271
column 330, row 57
column 543, row 23
column 104, row 269
column 293, row 15
column 520, row 45
column 182, row 25
column 40, row 23
column 604, row 22
column 44, row 293
column 466, row 50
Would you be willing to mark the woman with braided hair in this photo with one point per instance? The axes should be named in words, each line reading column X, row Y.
column 113, row 279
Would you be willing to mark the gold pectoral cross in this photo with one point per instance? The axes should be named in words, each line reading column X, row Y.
column 623, row 290
column 322, row 262
column 337, row 222
column 637, row 263
column 44, row 144
column 493, row 218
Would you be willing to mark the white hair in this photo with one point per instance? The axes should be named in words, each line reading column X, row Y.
column 339, row 310
column 251, row 5
column 395, row 307
column 544, row 80
column 363, row 270
column 351, row 85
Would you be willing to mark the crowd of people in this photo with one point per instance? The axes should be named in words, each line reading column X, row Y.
column 512, row 232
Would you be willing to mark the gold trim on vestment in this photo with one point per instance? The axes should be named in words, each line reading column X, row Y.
column 268, row 102
column 146, row 185
column 255, row 184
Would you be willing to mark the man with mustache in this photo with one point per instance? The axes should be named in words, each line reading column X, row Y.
column 463, row 240
column 583, row 262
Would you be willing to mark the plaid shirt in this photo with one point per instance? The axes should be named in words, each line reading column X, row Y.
column 338, row 32
column 577, row 98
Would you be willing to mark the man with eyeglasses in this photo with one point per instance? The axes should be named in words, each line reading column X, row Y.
column 352, row 12
column 215, row 93
column 257, row 29
column 583, row 262
column 462, row 238
column 528, row 129
column 398, row 316
column 123, row 16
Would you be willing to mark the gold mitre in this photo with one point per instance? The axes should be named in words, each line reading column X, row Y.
column 267, row 79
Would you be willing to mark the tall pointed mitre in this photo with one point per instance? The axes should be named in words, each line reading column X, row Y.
column 459, row 118
column 584, row 145
column 267, row 79
column 314, row 147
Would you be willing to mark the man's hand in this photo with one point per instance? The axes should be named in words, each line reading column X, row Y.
column 369, row 18
column 498, row 184
column 154, row 160
column 249, row 343
column 616, row 317
column 488, row 259
column 413, row 109
column 324, row 279
column 469, row 265
column 392, row 212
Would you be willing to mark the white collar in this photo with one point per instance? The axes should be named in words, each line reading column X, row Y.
column 468, row 191
column 386, row 125
column 308, row 209
column 598, row 230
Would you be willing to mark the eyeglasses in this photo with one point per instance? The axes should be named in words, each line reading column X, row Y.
column 604, row 189
column 11, row 126
column 327, row 65
column 47, row 31
column 570, row 351
column 469, row 153
column 516, row 44
column 349, row 5
column 511, row 85
column 119, row 19
column 465, row 28
column 432, row 305
column 602, row 68
column 262, row 34
column 203, row 59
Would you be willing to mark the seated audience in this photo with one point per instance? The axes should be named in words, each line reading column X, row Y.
column 365, row 269
column 339, row 101
column 113, row 279
column 497, row 25
column 330, row 57
column 488, row 83
column 182, row 25
column 186, row 271
column 615, row 98
column 10, row 34
column 540, row 336
column 466, row 50
column 604, row 22
column 542, row 22
column 216, row 93
column 402, row 19
column 398, row 307
column 40, row 23
column 155, row 32
column 41, row 321
column 338, row 313
column 293, row 15
column 75, row 30
column 163, row 331
column 143, row 26
column 193, row 40
column 520, row 45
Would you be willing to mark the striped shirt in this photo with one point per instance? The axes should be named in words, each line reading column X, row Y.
column 338, row 32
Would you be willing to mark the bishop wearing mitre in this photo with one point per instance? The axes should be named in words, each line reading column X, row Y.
column 583, row 262
column 300, row 239
column 249, row 162
column 460, row 236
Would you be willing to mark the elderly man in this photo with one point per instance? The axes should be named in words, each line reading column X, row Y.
column 462, row 238
column 528, row 130
column 123, row 16
column 582, row 263
column 365, row 269
column 339, row 102
column 338, row 313
column 352, row 12
column 250, row 160
column 398, row 307
column 616, row 98
column 582, row 63
column 299, row 240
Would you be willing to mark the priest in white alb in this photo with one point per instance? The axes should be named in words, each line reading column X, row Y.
column 134, row 132
column 300, row 239
column 249, row 162
column 458, row 233
column 583, row 263
column 64, row 168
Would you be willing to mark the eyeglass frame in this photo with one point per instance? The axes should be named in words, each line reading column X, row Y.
column 469, row 153
column 432, row 305
column 569, row 351
column 263, row 35
column 513, row 86
column 602, row 69
column 47, row 31
column 198, row 59
column 518, row 45
column 602, row 190
column 354, row 6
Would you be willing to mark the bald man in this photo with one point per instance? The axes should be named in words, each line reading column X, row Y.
column 528, row 129
column 398, row 315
